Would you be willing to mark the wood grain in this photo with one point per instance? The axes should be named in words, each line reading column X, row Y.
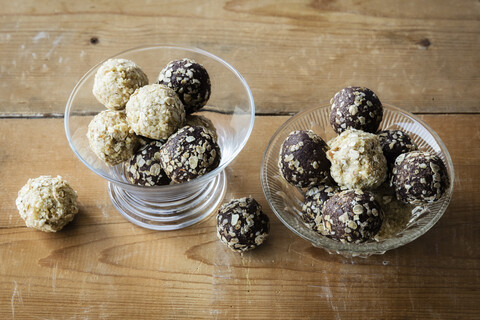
column 101, row 266
column 421, row 56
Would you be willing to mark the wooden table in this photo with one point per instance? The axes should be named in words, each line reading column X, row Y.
column 421, row 56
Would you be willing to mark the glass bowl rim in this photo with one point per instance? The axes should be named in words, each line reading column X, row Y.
column 199, row 180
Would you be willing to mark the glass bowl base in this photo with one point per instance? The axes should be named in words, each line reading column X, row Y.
column 169, row 215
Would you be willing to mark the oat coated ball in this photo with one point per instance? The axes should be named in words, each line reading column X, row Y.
column 111, row 138
column 357, row 108
column 144, row 167
column 419, row 177
column 242, row 225
column 155, row 111
column 198, row 120
column 352, row 216
column 115, row 80
column 315, row 198
column 303, row 161
column 190, row 153
column 394, row 143
column 357, row 160
column 190, row 81
column 47, row 203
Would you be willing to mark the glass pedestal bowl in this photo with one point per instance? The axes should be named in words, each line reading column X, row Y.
column 286, row 200
column 230, row 108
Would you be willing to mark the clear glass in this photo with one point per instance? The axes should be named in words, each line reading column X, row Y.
column 230, row 107
column 286, row 200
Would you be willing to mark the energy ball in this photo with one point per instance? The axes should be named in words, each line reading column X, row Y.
column 242, row 225
column 144, row 167
column 357, row 160
column 190, row 153
column 190, row 81
column 352, row 216
column 419, row 177
column 357, row 108
column 111, row 138
column 155, row 111
column 315, row 198
column 394, row 143
column 47, row 203
column 197, row 120
column 303, row 160
column 116, row 80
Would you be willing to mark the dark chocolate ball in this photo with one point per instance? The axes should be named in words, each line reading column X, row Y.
column 394, row 143
column 189, row 80
column 419, row 177
column 357, row 108
column 189, row 153
column 144, row 167
column 315, row 198
column 242, row 225
column 352, row 216
column 303, row 161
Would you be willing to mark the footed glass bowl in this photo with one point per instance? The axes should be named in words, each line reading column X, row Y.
column 231, row 109
column 286, row 200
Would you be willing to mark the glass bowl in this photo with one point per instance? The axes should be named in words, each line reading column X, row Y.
column 286, row 200
column 230, row 108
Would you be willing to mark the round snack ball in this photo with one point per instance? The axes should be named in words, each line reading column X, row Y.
column 198, row 120
column 155, row 111
column 394, row 143
column 357, row 160
column 315, row 198
column 357, row 108
column 144, row 167
column 352, row 216
column 116, row 80
column 190, row 81
column 190, row 153
column 47, row 203
column 242, row 225
column 303, row 162
column 111, row 138
column 419, row 177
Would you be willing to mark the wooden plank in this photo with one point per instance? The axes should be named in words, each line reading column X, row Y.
column 422, row 56
column 101, row 266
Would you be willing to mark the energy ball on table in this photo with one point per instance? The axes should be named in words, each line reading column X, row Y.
column 144, row 167
column 197, row 120
column 315, row 198
column 47, row 203
column 242, row 225
column 116, row 80
column 190, row 153
column 394, row 143
column 419, row 177
column 111, row 138
column 303, row 161
column 357, row 160
column 357, row 108
column 352, row 216
column 190, row 81
column 155, row 111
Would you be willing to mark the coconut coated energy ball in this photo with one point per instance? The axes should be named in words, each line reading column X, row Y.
column 315, row 198
column 111, row 138
column 144, row 168
column 47, row 203
column 116, row 80
column 198, row 120
column 242, row 225
column 357, row 108
column 394, row 143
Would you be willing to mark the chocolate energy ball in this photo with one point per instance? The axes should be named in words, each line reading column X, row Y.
column 189, row 153
column 357, row 108
column 394, row 143
column 315, row 198
column 303, row 161
column 419, row 177
column 144, row 167
column 198, row 120
column 352, row 216
column 242, row 225
column 190, row 81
